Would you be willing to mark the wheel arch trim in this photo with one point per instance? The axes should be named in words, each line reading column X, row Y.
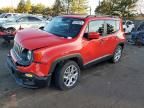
column 76, row 57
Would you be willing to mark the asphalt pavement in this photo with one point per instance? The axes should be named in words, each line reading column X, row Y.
column 104, row 85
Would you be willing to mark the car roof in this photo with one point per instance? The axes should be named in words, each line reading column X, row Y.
column 28, row 15
column 11, row 13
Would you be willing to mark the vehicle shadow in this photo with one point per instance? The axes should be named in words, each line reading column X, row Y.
column 5, row 45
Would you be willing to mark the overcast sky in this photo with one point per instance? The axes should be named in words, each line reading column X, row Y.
column 4, row 3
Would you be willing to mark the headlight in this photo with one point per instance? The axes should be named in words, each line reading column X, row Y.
column 26, row 55
column 29, row 55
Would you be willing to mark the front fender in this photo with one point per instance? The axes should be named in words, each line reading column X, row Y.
column 51, row 54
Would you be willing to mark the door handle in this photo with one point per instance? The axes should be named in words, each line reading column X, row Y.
column 102, row 41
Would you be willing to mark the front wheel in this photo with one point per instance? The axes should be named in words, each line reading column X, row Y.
column 10, row 31
column 117, row 54
column 67, row 76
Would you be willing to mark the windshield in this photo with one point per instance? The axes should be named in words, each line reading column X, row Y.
column 13, row 18
column 2, row 15
column 64, row 27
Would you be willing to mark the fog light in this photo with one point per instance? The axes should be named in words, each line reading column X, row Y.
column 29, row 75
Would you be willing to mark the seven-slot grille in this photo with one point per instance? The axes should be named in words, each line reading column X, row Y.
column 17, row 49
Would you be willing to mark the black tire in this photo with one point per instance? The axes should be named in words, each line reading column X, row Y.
column 60, row 72
column 41, row 28
column 10, row 30
column 113, row 59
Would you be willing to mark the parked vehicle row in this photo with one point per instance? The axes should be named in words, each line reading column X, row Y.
column 128, row 26
column 5, row 16
column 137, row 36
column 65, row 46
column 10, row 23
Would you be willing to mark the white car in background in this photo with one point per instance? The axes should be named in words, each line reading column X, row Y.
column 6, row 16
column 128, row 26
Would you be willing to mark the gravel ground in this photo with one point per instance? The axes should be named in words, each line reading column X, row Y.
column 104, row 85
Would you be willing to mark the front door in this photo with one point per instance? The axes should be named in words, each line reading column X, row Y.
column 93, row 48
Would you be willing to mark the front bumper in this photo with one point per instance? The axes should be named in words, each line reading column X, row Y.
column 28, row 82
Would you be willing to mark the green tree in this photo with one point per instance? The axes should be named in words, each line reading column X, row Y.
column 75, row 6
column 47, row 11
column 58, row 7
column 21, row 6
column 28, row 6
column 123, row 8
column 1, row 11
column 38, row 9
column 7, row 9
column 79, row 6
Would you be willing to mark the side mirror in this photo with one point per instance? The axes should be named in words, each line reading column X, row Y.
column 93, row 35
column 17, row 21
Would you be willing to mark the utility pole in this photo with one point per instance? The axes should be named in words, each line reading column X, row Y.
column 68, row 7
column 78, row 6
column 90, row 10
column 99, row 2
column 11, row 6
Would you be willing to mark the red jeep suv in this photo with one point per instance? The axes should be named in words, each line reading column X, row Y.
column 66, row 45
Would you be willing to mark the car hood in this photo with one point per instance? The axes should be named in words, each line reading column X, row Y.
column 2, row 20
column 7, row 22
column 34, row 38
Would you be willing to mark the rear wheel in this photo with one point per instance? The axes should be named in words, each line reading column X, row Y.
column 117, row 54
column 67, row 75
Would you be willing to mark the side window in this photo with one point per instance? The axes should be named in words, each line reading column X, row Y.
column 22, row 19
column 8, row 15
column 97, row 26
column 117, row 25
column 33, row 19
column 112, row 26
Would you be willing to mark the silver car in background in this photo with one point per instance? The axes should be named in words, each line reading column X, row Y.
column 6, row 16
column 9, row 27
column 23, row 21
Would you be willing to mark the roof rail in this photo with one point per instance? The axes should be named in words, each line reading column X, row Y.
column 90, row 16
column 102, row 16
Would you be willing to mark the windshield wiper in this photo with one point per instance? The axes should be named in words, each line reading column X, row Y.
column 58, row 35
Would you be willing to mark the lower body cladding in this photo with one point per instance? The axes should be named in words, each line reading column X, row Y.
column 26, row 79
